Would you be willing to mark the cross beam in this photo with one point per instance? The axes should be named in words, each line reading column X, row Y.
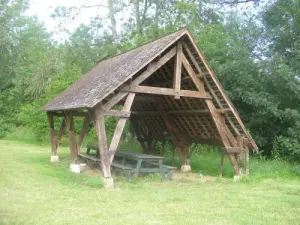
column 164, row 91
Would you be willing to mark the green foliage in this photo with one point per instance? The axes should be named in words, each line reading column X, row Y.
column 255, row 58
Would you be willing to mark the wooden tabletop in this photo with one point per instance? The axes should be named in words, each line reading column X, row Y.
column 136, row 155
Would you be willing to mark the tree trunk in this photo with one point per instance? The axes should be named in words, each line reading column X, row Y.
column 137, row 15
column 112, row 19
column 156, row 18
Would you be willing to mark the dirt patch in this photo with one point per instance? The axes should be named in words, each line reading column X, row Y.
column 90, row 171
column 192, row 177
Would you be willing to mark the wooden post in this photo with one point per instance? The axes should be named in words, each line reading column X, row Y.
column 83, row 132
column 221, row 163
column 177, row 70
column 102, row 141
column 120, row 126
column 52, row 134
column 180, row 141
column 60, row 132
column 72, row 139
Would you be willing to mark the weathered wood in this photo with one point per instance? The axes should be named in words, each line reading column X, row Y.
column 195, row 111
column 177, row 70
column 164, row 91
column 211, row 90
column 180, row 141
column 148, row 99
column 120, row 126
column 221, row 127
column 52, row 133
column 234, row 162
column 152, row 67
column 231, row 149
column 221, row 164
column 60, row 132
column 102, row 141
column 114, row 100
column 217, row 83
column 72, row 139
column 117, row 113
column 199, row 84
column 83, row 132
column 74, row 113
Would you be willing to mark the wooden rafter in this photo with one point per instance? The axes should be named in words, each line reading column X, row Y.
column 164, row 91
column 83, row 132
column 194, row 111
column 217, row 83
column 72, row 139
column 177, row 70
column 120, row 126
column 152, row 67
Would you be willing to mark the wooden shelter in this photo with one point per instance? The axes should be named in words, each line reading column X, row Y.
column 168, row 92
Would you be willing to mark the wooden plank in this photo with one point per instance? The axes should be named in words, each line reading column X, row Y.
column 209, row 86
column 60, row 132
column 120, row 126
column 148, row 99
column 217, row 83
column 72, row 139
column 231, row 149
column 221, row 164
column 199, row 84
column 164, row 91
column 194, row 111
column 177, row 70
column 83, row 132
column 74, row 113
column 117, row 113
column 114, row 100
column 52, row 133
column 166, row 82
column 102, row 140
column 152, row 67
column 217, row 120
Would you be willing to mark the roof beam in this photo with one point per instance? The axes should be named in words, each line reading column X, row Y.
column 152, row 67
column 197, row 111
column 199, row 84
column 122, row 114
column 164, row 91
column 74, row 113
column 177, row 70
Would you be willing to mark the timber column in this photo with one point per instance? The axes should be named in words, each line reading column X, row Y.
column 54, row 156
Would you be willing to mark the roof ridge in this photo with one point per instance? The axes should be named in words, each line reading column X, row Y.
column 142, row 45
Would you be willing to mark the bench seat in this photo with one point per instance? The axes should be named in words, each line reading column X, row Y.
column 126, row 170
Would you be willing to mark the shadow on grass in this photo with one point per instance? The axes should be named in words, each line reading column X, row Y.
column 60, row 172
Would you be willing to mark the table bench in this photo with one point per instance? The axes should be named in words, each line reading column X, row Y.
column 134, row 163
column 127, row 171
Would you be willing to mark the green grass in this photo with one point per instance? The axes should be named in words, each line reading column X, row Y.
column 34, row 191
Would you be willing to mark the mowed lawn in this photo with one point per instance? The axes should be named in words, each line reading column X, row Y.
column 34, row 191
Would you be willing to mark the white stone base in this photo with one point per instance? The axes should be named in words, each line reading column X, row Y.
column 236, row 178
column 109, row 182
column 54, row 158
column 75, row 168
column 186, row 168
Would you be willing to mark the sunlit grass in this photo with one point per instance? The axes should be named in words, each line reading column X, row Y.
column 34, row 191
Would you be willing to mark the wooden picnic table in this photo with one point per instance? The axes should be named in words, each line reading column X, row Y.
column 143, row 163
column 136, row 163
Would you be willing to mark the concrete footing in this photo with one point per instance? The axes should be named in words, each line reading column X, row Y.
column 186, row 168
column 75, row 168
column 109, row 182
column 54, row 158
column 236, row 178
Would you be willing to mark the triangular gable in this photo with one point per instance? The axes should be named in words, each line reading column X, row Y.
column 139, row 65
